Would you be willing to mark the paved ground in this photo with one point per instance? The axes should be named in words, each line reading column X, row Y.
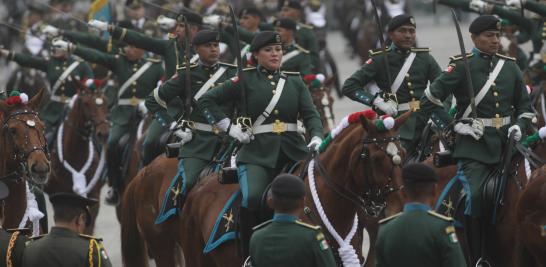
column 437, row 33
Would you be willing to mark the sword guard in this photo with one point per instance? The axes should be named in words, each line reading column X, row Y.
column 186, row 124
column 245, row 122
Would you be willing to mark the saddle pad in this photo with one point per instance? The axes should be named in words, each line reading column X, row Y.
column 171, row 201
column 225, row 225
column 451, row 195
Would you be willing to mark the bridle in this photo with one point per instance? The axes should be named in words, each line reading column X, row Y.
column 90, row 124
column 21, row 155
column 374, row 200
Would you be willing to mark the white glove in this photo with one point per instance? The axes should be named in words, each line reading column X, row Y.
column 236, row 132
column 515, row 3
column 505, row 43
column 517, row 134
column 142, row 108
column 475, row 129
column 389, row 106
column 185, row 135
column 50, row 30
column 97, row 24
column 166, row 23
column 223, row 124
column 477, row 5
column 4, row 52
column 314, row 144
column 62, row 45
column 213, row 20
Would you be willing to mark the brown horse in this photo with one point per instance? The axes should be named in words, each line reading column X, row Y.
column 76, row 163
column 141, row 238
column 531, row 216
column 503, row 239
column 324, row 102
column 24, row 157
column 363, row 176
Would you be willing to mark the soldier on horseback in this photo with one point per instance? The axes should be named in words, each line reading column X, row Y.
column 137, row 76
column 60, row 68
column 502, row 107
column 414, row 69
column 200, row 139
column 275, row 101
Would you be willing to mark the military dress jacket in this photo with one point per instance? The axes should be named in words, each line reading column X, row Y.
column 306, row 37
column 12, row 242
column 54, row 68
column 423, row 70
column 507, row 97
column 203, row 143
column 295, row 102
column 418, row 237
column 93, row 41
column 123, row 69
column 64, row 248
column 300, row 63
column 288, row 242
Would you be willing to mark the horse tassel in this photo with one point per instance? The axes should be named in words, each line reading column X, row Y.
column 32, row 213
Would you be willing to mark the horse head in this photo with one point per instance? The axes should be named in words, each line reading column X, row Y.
column 91, row 105
column 382, row 156
column 23, row 137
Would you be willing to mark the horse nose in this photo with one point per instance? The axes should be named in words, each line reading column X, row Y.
column 41, row 168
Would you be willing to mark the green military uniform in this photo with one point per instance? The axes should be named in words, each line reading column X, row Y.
column 261, row 159
column 93, row 41
column 197, row 153
column 418, row 237
column 423, row 70
column 300, row 62
column 52, row 111
column 63, row 247
column 507, row 98
column 124, row 114
column 305, row 36
column 286, row 241
column 12, row 243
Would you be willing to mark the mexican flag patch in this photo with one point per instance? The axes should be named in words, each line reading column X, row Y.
column 324, row 245
column 369, row 61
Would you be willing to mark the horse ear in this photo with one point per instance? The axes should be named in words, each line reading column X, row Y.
column 34, row 103
column 401, row 119
column 365, row 123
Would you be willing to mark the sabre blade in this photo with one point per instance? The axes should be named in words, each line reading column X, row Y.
column 188, row 100
column 383, row 45
column 466, row 66
column 239, row 62
column 68, row 14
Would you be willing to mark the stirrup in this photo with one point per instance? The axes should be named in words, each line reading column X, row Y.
column 483, row 263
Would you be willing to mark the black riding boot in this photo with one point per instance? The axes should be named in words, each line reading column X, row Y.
column 114, row 178
column 473, row 238
column 247, row 220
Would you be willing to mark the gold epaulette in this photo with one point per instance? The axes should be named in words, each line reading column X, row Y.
column 375, row 52
column 390, row 218
column 303, row 25
column 445, row 218
column 261, row 225
column 154, row 60
column 505, row 57
column 227, row 64
column 314, row 227
column 301, row 49
column 184, row 66
column 24, row 231
column 250, row 68
column 171, row 35
column 459, row 57
column 420, row 49
column 90, row 237
column 292, row 72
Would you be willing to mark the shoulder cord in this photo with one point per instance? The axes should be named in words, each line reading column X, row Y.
column 12, row 240
column 92, row 244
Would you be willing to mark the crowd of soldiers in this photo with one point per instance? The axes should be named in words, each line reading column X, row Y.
column 189, row 70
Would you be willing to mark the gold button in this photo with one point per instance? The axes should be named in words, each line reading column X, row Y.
column 407, row 75
column 272, row 83
column 134, row 83
column 411, row 92
column 135, row 69
column 62, row 87
column 497, row 104
column 270, row 77
column 497, row 115
column 409, row 84
column 493, row 84
column 274, row 91
column 495, row 93
column 276, row 111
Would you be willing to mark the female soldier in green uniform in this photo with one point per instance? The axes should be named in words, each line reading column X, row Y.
column 275, row 101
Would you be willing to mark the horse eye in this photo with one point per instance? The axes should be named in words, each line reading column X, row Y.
column 13, row 130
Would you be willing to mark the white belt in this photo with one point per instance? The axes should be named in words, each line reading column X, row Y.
column 277, row 127
column 205, row 127
column 414, row 105
column 129, row 101
column 496, row 122
column 60, row 99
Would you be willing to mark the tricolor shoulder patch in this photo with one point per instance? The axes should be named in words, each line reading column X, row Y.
column 450, row 231
column 235, row 79
column 450, row 68
column 369, row 61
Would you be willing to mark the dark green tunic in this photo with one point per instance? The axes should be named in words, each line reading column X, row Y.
column 64, row 248
column 295, row 102
column 16, row 250
column 423, row 70
column 51, row 112
column 418, row 237
column 300, row 63
column 285, row 241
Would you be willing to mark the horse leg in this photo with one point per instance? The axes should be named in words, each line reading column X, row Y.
column 133, row 248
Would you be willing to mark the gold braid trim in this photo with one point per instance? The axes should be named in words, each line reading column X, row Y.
column 12, row 240
column 90, row 254
column 92, row 245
